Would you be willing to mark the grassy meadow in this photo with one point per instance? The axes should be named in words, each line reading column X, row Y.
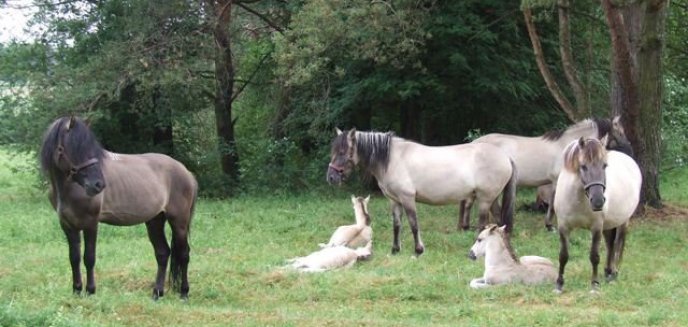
column 238, row 246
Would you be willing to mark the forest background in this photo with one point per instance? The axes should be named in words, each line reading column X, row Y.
column 247, row 93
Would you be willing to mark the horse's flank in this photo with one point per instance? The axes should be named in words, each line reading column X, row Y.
column 128, row 201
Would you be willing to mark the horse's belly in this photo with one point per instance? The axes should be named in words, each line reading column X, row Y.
column 125, row 219
column 438, row 197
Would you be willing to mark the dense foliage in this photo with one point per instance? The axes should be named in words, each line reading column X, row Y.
column 438, row 72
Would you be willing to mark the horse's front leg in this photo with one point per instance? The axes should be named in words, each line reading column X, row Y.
column 609, row 236
column 90, row 238
column 595, row 257
column 156, row 235
column 619, row 243
column 413, row 222
column 563, row 257
column 396, row 222
column 74, row 242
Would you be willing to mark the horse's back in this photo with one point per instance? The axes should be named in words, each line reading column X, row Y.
column 140, row 186
column 534, row 157
column 447, row 174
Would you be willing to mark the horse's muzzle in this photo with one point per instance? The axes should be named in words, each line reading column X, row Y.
column 472, row 256
column 93, row 189
column 334, row 177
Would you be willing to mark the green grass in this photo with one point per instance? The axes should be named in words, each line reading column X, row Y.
column 238, row 246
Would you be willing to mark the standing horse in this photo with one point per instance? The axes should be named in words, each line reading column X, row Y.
column 89, row 185
column 538, row 159
column 597, row 190
column 407, row 172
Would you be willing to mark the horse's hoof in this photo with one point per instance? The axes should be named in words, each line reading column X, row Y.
column 558, row 291
column 184, row 297
column 90, row 290
column 465, row 228
column 550, row 228
column 395, row 249
column 610, row 277
column 157, row 294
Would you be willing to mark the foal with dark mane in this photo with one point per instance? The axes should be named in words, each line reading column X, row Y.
column 89, row 185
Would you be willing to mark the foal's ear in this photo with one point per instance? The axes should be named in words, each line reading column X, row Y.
column 502, row 229
column 493, row 228
column 367, row 198
column 353, row 199
column 338, row 131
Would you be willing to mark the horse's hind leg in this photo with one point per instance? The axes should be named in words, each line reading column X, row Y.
column 156, row 235
column 619, row 243
column 74, row 242
column 563, row 257
column 609, row 236
column 180, row 254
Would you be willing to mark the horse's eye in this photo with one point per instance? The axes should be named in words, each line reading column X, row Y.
column 584, row 167
column 480, row 240
column 604, row 166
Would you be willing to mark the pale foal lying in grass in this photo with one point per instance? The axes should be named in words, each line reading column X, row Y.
column 501, row 264
column 358, row 234
column 329, row 258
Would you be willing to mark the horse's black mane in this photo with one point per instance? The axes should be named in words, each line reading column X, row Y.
column 80, row 144
column 604, row 126
column 373, row 149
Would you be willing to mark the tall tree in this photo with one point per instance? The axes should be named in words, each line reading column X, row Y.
column 637, row 31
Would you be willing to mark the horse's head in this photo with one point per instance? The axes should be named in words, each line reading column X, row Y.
column 479, row 248
column 588, row 158
column 77, row 155
column 343, row 156
column 616, row 138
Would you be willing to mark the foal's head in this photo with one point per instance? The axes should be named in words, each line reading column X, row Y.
column 588, row 159
column 71, row 152
column 343, row 156
column 489, row 234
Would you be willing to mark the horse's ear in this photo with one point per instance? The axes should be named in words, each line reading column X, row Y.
column 367, row 198
column 605, row 140
column 581, row 142
column 72, row 121
column 502, row 229
column 616, row 120
column 353, row 199
column 87, row 121
column 493, row 228
column 338, row 131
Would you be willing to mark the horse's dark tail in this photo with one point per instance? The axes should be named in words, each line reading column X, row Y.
column 179, row 254
column 508, row 199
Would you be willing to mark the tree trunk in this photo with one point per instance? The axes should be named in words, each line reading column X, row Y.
column 163, row 140
column 637, row 37
column 224, row 88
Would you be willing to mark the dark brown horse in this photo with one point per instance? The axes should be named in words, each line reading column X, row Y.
column 89, row 185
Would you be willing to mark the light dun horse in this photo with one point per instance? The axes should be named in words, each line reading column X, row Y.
column 538, row 159
column 89, row 185
column 597, row 190
column 407, row 171
column 501, row 264
column 358, row 234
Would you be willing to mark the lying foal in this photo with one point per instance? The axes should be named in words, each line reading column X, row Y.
column 358, row 234
column 329, row 258
column 501, row 264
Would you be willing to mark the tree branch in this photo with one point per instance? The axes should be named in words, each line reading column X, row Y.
column 261, row 16
column 253, row 74
column 544, row 70
column 579, row 91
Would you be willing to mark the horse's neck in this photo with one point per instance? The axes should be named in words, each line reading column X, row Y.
column 585, row 129
column 497, row 254
column 360, row 215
